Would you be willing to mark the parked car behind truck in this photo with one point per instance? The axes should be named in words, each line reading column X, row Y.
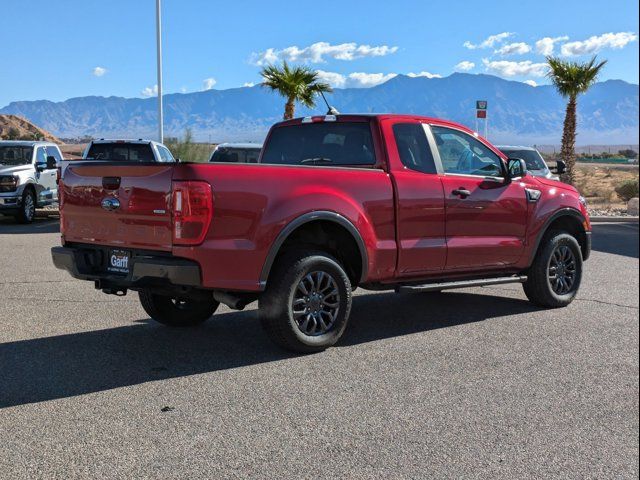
column 236, row 153
column 532, row 157
column 392, row 202
column 27, row 177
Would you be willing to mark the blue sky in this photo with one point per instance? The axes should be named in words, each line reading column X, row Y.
column 71, row 48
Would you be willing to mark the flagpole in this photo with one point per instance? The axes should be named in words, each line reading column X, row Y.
column 159, row 61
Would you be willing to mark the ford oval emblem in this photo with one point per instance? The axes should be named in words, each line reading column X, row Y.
column 110, row 204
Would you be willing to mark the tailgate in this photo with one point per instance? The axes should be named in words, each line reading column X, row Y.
column 117, row 204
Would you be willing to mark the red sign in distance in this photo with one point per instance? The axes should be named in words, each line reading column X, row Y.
column 481, row 114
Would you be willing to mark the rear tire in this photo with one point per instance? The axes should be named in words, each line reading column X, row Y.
column 555, row 275
column 27, row 211
column 176, row 312
column 307, row 303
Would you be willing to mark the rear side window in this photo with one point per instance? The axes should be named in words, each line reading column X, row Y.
column 125, row 152
column 323, row 144
column 413, row 147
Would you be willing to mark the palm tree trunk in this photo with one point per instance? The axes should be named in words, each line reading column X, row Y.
column 568, row 152
column 289, row 109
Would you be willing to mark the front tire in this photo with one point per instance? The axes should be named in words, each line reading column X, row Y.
column 27, row 211
column 556, row 273
column 176, row 312
column 307, row 303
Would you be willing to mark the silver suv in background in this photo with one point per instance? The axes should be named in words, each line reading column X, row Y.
column 532, row 157
column 127, row 151
column 236, row 153
column 28, row 177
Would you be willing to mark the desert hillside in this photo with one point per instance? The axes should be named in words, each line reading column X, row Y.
column 13, row 127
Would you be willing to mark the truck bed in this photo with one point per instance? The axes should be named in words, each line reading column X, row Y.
column 252, row 204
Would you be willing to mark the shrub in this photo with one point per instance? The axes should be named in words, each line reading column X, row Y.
column 187, row 150
column 13, row 134
column 628, row 153
column 627, row 190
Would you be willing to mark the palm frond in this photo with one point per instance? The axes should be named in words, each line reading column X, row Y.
column 573, row 78
column 296, row 83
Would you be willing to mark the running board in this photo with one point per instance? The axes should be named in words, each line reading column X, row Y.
column 430, row 287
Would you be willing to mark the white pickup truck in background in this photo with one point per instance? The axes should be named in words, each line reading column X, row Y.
column 127, row 151
column 28, row 177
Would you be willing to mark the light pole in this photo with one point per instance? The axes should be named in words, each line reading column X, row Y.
column 159, row 52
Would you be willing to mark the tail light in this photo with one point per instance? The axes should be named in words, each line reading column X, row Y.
column 192, row 209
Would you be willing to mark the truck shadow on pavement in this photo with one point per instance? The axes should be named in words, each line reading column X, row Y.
column 616, row 238
column 40, row 225
column 64, row 366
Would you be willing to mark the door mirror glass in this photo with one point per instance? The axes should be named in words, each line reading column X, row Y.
column 51, row 162
column 517, row 167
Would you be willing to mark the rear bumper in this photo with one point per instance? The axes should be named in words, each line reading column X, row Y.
column 145, row 270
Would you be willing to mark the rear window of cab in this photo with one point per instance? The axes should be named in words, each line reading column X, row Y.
column 322, row 144
column 125, row 152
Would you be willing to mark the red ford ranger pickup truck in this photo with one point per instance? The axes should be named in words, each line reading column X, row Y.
column 394, row 202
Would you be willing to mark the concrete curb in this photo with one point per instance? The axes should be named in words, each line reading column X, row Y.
column 614, row 219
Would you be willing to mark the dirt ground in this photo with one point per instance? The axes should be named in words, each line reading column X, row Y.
column 597, row 183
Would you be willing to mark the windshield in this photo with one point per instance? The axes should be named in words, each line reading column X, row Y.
column 326, row 144
column 15, row 155
column 532, row 158
column 132, row 152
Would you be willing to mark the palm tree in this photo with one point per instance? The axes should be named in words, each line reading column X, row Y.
column 571, row 79
column 296, row 84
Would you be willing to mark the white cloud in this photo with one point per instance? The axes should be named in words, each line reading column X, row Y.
column 248, row 84
column 149, row 91
column 545, row 45
column 532, row 83
column 99, row 71
column 489, row 42
column 512, row 69
column 183, row 90
column 355, row 79
column 596, row 43
column 318, row 52
column 519, row 48
column 465, row 66
column 332, row 78
column 363, row 80
column 209, row 83
column 424, row 74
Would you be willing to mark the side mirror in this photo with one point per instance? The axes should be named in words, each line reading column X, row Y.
column 51, row 162
column 561, row 167
column 517, row 167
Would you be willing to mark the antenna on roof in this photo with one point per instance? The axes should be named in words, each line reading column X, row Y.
column 332, row 110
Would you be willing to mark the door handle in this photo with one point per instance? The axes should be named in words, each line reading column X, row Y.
column 461, row 192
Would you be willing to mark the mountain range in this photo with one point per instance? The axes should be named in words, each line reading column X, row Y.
column 518, row 113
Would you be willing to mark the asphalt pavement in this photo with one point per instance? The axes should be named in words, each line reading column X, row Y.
column 475, row 383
